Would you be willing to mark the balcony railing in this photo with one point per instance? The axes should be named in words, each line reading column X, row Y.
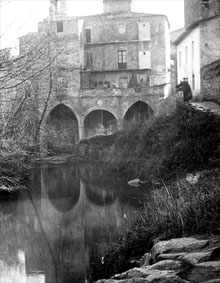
column 122, row 66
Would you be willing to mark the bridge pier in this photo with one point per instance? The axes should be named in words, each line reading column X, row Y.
column 81, row 132
column 120, row 124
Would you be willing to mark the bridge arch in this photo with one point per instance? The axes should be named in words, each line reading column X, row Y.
column 63, row 186
column 138, row 112
column 99, row 122
column 61, row 129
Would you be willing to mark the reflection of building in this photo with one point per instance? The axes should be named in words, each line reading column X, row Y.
column 199, row 45
column 104, row 65
column 69, row 221
column 17, row 272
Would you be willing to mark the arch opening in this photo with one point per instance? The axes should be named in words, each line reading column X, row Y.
column 62, row 131
column 138, row 113
column 100, row 122
column 63, row 186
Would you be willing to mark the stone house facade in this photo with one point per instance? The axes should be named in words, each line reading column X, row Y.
column 108, row 70
column 125, row 50
column 199, row 44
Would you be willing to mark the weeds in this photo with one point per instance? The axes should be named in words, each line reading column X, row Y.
column 165, row 150
column 174, row 210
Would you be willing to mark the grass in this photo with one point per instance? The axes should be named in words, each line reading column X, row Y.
column 175, row 210
column 165, row 151
column 14, row 163
column 165, row 148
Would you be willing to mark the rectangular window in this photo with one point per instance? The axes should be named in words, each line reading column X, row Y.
column 88, row 34
column 122, row 59
column 121, row 28
column 123, row 82
column 193, row 50
column 88, row 60
column 60, row 26
column 180, row 59
column 193, row 81
column 186, row 54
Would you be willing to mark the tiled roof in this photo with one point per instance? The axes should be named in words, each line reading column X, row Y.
column 120, row 15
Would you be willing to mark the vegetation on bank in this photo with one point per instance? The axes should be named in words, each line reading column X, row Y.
column 175, row 210
column 13, row 171
column 165, row 148
column 180, row 154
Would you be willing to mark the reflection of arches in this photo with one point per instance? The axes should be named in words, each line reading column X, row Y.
column 101, row 195
column 100, row 122
column 99, row 189
column 139, row 112
column 62, row 129
column 63, row 186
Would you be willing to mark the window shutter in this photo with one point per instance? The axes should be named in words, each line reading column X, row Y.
column 144, row 31
column 144, row 60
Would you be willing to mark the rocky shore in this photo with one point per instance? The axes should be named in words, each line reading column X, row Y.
column 181, row 260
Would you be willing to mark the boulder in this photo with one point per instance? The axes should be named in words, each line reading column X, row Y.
column 167, row 265
column 198, row 257
column 203, row 272
column 184, row 260
column 177, row 245
column 145, row 260
column 133, row 273
column 176, row 256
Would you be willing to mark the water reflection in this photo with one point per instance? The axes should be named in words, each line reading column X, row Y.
column 66, row 219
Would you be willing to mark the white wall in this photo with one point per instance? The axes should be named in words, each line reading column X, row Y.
column 167, row 89
column 189, row 63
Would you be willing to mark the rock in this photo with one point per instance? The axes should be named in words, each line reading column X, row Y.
column 194, row 258
column 167, row 265
column 133, row 273
column 202, row 272
column 176, row 256
column 133, row 280
column 184, row 260
column 135, row 182
column 145, row 260
column 166, row 278
column 177, row 245
column 107, row 281
column 212, row 281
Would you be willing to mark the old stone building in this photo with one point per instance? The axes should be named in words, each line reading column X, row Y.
column 124, row 49
column 108, row 72
column 199, row 44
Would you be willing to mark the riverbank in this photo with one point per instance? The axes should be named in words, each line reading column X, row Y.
column 166, row 148
column 179, row 155
column 188, row 206
column 13, row 171
column 180, row 260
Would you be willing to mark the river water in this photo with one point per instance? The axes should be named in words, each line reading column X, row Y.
column 56, row 231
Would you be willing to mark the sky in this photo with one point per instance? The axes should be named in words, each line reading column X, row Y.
column 18, row 17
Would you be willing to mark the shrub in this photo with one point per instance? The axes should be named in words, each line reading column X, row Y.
column 175, row 210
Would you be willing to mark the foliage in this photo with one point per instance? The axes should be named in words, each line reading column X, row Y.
column 197, row 143
column 166, row 150
column 175, row 210
column 166, row 147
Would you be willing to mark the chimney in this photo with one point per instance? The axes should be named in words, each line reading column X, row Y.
column 57, row 7
column 114, row 6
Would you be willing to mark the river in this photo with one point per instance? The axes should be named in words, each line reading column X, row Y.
column 58, row 230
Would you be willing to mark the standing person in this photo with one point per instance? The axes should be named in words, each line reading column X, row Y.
column 186, row 89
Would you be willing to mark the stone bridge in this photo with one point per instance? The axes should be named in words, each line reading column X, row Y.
column 96, row 112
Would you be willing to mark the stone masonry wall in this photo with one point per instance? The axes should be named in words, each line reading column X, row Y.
column 211, row 81
column 107, row 31
column 210, row 41
column 194, row 10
